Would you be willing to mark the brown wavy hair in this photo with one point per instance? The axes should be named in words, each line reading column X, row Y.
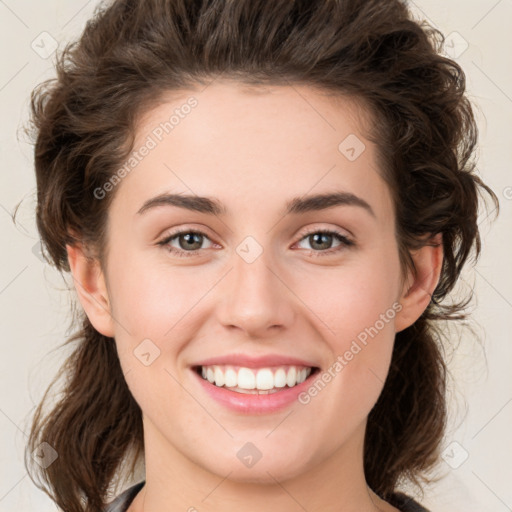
column 132, row 52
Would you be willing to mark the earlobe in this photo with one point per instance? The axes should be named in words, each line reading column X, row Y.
column 91, row 288
column 418, row 289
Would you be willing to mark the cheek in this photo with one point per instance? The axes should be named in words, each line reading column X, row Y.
column 356, row 296
column 362, row 318
column 151, row 297
column 358, row 307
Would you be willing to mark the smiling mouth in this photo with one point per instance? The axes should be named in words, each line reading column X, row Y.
column 255, row 381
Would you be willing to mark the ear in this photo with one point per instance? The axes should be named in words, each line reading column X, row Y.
column 91, row 289
column 418, row 289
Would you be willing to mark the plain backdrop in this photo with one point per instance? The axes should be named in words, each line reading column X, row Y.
column 475, row 472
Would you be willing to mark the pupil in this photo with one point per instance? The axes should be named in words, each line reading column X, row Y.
column 317, row 238
column 189, row 237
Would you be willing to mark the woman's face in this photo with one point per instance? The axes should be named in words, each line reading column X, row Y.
column 258, row 281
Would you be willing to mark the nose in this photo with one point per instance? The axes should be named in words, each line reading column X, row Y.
column 257, row 300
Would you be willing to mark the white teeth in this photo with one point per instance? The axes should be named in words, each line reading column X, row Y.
column 251, row 380
column 280, row 378
column 301, row 376
column 291, row 377
column 264, row 379
column 219, row 376
column 246, row 379
column 230, row 378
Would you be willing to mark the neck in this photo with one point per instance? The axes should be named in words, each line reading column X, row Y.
column 334, row 482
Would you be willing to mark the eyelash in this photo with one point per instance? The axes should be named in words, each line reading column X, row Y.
column 345, row 242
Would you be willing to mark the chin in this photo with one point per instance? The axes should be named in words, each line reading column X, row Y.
column 263, row 470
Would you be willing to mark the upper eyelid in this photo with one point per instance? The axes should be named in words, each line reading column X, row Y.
column 336, row 231
column 180, row 231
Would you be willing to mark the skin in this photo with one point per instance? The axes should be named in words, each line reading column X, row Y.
column 241, row 146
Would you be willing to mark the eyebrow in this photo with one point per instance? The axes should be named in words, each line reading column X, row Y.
column 296, row 205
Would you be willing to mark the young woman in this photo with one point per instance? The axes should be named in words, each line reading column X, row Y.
column 262, row 206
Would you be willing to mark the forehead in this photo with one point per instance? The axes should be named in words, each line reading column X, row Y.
column 247, row 144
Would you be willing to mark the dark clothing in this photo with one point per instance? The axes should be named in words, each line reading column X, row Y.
column 401, row 501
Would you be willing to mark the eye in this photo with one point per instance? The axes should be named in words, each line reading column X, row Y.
column 321, row 242
column 189, row 242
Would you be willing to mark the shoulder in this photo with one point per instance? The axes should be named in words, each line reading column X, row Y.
column 123, row 501
column 405, row 503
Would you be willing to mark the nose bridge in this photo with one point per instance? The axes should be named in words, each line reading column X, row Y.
column 256, row 299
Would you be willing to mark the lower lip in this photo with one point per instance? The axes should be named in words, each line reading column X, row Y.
column 253, row 403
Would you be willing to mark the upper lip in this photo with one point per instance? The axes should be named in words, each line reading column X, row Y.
column 248, row 361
